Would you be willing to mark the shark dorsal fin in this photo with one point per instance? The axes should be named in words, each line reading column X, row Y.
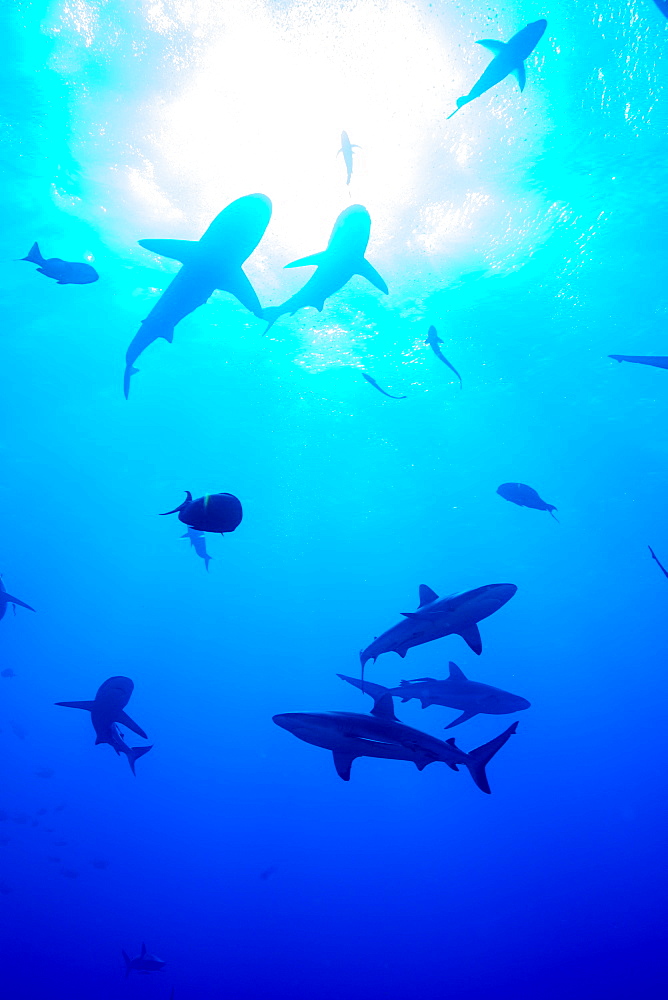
column 384, row 708
column 456, row 673
column 451, row 742
column 493, row 44
column 427, row 595
column 182, row 250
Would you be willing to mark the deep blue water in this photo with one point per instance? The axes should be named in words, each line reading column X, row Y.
column 530, row 229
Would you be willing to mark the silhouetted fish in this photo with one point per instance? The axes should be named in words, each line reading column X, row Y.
column 508, row 58
column 373, row 382
column 8, row 673
column 62, row 271
column 524, row 496
column 641, row 359
column 347, row 151
column 434, row 340
column 144, row 962
column 198, row 543
column 215, row 512
column 6, row 599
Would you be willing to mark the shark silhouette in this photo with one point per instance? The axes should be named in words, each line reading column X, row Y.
column 6, row 599
column 508, row 58
column 347, row 152
column 335, row 266
column 143, row 963
column 214, row 262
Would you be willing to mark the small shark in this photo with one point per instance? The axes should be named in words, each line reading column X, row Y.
column 434, row 340
column 347, row 151
column 6, row 599
column 373, row 382
column 660, row 565
column 335, row 266
column 62, row 271
column 106, row 710
column 456, row 691
column 349, row 735
column 212, row 262
column 144, row 963
column 641, row 359
column 198, row 543
column 508, row 58
column 436, row 617
column 525, row 496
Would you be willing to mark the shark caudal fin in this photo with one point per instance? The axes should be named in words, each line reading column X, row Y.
column 34, row 255
column 134, row 753
column 128, row 962
column 551, row 510
column 481, row 756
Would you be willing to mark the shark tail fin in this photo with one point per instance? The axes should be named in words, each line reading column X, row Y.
column 34, row 255
column 134, row 754
column 551, row 509
column 481, row 756
column 128, row 962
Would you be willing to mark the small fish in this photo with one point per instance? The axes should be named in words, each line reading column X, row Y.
column 641, row 359
column 62, row 271
column 508, row 58
column 661, row 567
column 144, row 962
column 434, row 340
column 198, row 543
column 524, row 496
column 347, row 151
column 373, row 382
column 8, row 673
column 268, row 872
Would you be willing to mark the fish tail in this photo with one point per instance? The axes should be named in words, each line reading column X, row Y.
column 481, row 756
column 552, row 510
column 34, row 255
column 134, row 753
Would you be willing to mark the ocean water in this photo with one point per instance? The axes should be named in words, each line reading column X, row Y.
column 530, row 230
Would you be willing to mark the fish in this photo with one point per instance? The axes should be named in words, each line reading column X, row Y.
column 347, row 151
column 8, row 673
column 434, row 340
column 508, row 58
column 642, row 359
column 661, row 567
column 456, row 691
column 525, row 496
column 63, row 272
column 6, row 599
column 335, row 266
column 213, row 262
column 349, row 735
column 373, row 382
column 144, row 962
column 216, row 512
column 106, row 711
column 198, row 543
column 436, row 617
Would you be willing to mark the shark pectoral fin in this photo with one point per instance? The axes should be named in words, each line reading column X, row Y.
column 427, row 595
column 315, row 259
column 464, row 717
column 471, row 636
column 14, row 600
column 237, row 284
column 182, row 250
column 86, row 705
column 421, row 762
column 371, row 274
column 126, row 721
column 343, row 763
column 492, row 44
column 520, row 74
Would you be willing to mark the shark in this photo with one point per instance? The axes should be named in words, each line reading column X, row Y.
column 350, row 735
column 335, row 266
column 436, row 617
column 642, row 359
column 508, row 58
column 434, row 340
column 213, row 262
column 373, row 382
column 198, row 543
column 456, row 691
column 347, row 153
column 144, row 962
column 107, row 711
column 6, row 599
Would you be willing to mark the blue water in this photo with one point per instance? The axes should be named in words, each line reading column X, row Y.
column 530, row 230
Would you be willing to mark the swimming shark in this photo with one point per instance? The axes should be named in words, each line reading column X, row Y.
column 436, row 617
column 6, row 599
column 347, row 152
column 642, row 359
column 213, row 262
column 349, row 735
column 106, row 710
column 335, row 266
column 456, row 691
column 144, row 962
column 434, row 340
column 198, row 543
column 508, row 58
column 373, row 382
